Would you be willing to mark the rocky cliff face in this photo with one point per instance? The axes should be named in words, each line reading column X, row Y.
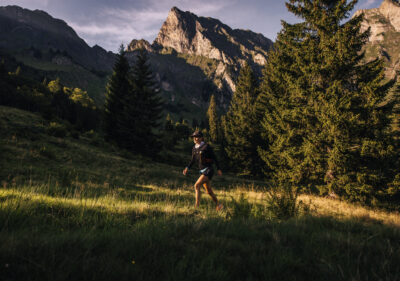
column 384, row 40
column 139, row 44
column 187, row 33
column 197, row 57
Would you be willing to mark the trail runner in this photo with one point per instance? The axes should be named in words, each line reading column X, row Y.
column 203, row 155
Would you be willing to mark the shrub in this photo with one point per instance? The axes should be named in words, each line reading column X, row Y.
column 57, row 130
column 282, row 202
column 46, row 152
column 241, row 208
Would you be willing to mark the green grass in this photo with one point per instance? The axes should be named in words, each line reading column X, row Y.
column 80, row 209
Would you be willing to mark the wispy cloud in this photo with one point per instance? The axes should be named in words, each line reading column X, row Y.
column 118, row 26
column 369, row 3
column 133, row 14
column 26, row 3
column 111, row 35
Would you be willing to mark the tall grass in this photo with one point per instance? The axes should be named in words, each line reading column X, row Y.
column 71, row 210
column 154, row 233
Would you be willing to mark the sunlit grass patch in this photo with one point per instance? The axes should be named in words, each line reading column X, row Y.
column 344, row 210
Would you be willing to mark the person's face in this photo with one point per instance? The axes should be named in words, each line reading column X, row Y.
column 197, row 140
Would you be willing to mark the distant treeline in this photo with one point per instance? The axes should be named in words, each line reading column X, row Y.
column 51, row 99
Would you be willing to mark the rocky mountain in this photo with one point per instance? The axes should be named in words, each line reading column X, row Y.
column 384, row 40
column 22, row 29
column 187, row 33
column 197, row 56
column 193, row 57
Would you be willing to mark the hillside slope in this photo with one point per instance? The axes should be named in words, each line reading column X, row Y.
column 22, row 29
column 80, row 209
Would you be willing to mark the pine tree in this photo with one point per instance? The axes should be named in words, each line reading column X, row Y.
column 213, row 121
column 325, row 120
column 169, row 125
column 151, row 106
column 195, row 123
column 241, row 126
column 118, row 91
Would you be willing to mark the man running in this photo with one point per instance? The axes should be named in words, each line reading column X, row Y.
column 203, row 154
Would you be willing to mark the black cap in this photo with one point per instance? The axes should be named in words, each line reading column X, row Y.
column 197, row 134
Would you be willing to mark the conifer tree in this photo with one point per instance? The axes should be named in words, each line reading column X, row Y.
column 195, row 123
column 169, row 125
column 213, row 121
column 118, row 88
column 241, row 125
column 325, row 120
column 150, row 109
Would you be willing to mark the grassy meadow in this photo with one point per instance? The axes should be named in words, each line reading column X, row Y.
column 76, row 208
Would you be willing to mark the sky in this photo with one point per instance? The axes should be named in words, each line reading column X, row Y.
column 108, row 23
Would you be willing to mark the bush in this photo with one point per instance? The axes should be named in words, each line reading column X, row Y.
column 282, row 202
column 93, row 137
column 46, row 152
column 57, row 130
column 241, row 208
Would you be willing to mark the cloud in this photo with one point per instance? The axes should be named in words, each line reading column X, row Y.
column 133, row 14
column 110, row 36
column 115, row 26
column 26, row 3
column 369, row 3
column 204, row 8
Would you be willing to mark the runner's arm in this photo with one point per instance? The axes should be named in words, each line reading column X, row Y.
column 191, row 161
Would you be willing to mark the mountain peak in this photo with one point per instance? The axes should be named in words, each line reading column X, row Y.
column 187, row 33
column 138, row 45
column 39, row 19
column 176, row 10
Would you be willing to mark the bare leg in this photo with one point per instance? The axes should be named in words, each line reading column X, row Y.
column 197, row 187
column 207, row 186
column 205, row 181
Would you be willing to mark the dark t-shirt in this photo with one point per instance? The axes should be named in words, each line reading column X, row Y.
column 204, row 156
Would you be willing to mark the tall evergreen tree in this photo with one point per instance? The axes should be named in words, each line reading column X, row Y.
column 118, row 92
column 326, row 121
column 241, row 125
column 150, row 108
column 213, row 121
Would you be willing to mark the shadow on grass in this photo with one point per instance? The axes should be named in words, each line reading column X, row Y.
column 192, row 248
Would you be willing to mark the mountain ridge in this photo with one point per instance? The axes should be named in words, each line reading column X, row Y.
column 40, row 30
column 205, row 36
column 225, row 49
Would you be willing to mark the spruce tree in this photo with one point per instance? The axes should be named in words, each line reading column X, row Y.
column 213, row 121
column 326, row 122
column 151, row 105
column 118, row 91
column 241, row 126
